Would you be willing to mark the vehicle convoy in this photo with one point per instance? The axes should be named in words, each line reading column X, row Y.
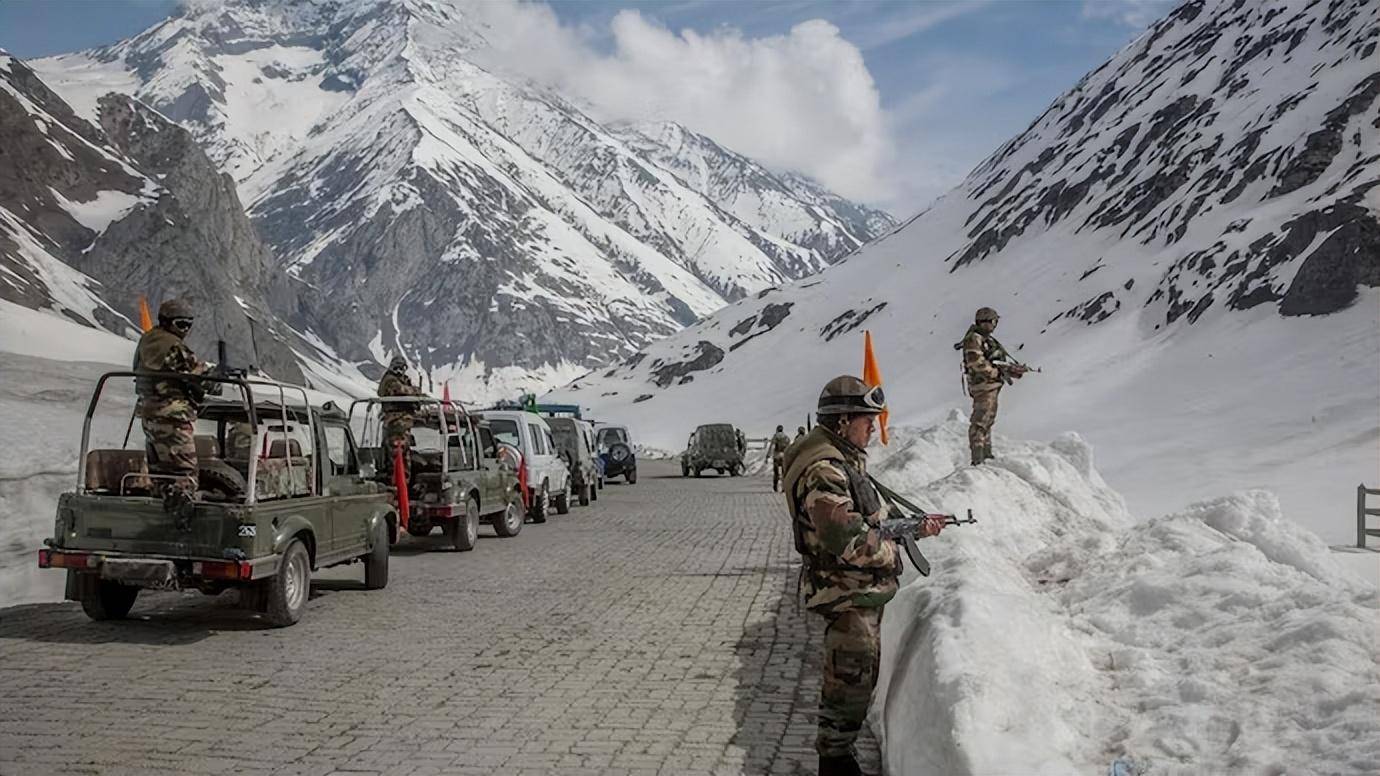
column 615, row 448
column 280, row 493
column 541, row 471
column 716, row 446
column 454, row 478
column 574, row 439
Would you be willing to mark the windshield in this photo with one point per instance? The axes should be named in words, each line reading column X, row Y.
column 609, row 437
column 505, row 431
column 566, row 436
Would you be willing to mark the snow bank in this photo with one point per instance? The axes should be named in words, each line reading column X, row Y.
column 1057, row 636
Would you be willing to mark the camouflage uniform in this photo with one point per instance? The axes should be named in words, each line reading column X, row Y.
column 779, row 443
column 167, row 409
column 983, row 362
column 850, row 572
column 398, row 419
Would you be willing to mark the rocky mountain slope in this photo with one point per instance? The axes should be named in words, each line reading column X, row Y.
column 1188, row 242
column 488, row 229
column 92, row 216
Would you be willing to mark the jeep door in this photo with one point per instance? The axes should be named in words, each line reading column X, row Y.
column 350, row 500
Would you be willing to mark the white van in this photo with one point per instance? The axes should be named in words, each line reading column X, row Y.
column 548, row 480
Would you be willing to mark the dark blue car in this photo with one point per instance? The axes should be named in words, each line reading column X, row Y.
column 615, row 450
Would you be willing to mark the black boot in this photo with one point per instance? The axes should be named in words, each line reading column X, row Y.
column 839, row 765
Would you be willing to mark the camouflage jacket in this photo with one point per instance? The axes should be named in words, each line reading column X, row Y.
column 397, row 384
column 982, row 357
column 836, row 512
column 160, row 350
column 779, row 443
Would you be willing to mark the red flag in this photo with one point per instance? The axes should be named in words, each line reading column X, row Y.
column 145, row 319
column 872, row 375
column 400, row 482
column 445, row 392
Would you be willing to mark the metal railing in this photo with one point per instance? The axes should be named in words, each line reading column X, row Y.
column 1362, row 512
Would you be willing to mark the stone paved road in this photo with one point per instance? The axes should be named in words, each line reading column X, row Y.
column 653, row 633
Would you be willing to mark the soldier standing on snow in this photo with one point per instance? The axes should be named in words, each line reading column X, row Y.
column 398, row 417
column 779, row 443
column 986, row 367
column 168, row 407
column 849, row 568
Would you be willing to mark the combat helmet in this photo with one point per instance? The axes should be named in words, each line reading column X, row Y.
column 172, row 309
column 847, row 395
column 985, row 314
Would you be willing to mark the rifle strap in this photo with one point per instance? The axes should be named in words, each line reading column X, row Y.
column 893, row 496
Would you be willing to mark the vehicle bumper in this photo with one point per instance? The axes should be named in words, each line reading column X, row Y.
column 158, row 571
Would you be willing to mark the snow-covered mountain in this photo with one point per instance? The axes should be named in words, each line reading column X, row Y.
column 487, row 228
column 1188, row 243
column 94, row 215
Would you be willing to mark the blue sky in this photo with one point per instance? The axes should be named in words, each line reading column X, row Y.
column 953, row 79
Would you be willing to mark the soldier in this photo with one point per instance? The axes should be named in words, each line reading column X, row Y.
column 849, row 566
column 397, row 417
column 799, row 432
column 168, row 407
column 779, row 443
column 986, row 366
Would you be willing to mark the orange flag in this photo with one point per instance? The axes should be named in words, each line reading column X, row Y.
column 445, row 392
column 872, row 375
column 145, row 320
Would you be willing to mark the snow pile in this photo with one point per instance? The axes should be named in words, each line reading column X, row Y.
column 1056, row 636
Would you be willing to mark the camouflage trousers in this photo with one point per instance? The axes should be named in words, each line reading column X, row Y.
column 980, row 423
column 397, row 430
column 852, row 655
column 170, row 446
column 777, row 464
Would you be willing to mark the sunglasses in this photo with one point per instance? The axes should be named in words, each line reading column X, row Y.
column 182, row 324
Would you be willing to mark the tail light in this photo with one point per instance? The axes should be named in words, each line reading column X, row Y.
column 48, row 559
column 223, row 569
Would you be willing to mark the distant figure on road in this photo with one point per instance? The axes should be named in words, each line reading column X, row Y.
column 168, row 407
column 849, row 569
column 986, row 367
column 779, row 443
column 398, row 416
column 799, row 432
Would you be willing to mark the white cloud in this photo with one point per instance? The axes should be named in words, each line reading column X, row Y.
column 803, row 100
column 910, row 20
column 1132, row 13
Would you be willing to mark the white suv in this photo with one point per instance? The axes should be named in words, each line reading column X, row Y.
column 547, row 479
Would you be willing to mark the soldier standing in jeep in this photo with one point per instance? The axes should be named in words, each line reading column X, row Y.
column 168, row 407
column 398, row 416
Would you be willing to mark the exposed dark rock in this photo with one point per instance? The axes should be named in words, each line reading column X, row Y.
column 707, row 356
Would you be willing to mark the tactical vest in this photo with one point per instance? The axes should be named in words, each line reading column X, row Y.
column 813, row 448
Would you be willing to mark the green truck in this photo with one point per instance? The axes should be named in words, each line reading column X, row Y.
column 455, row 477
column 281, row 492
column 716, row 446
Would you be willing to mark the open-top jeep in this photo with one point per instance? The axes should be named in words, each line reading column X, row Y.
column 279, row 494
column 455, row 478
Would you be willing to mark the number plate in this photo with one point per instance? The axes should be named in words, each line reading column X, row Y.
column 248, row 530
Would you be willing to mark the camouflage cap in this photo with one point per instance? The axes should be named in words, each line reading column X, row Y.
column 175, row 308
column 985, row 314
column 847, row 395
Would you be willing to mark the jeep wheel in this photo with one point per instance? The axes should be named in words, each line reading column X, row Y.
column 105, row 600
column 684, row 469
column 699, row 472
column 593, row 492
column 463, row 531
column 736, row 470
column 510, row 522
column 631, row 476
column 289, row 589
column 563, row 500
column 541, row 505
column 419, row 528
column 585, row 494
column 376, row 561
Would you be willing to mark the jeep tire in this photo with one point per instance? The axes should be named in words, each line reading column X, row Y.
column 541, row 505
column 563, row 499
column 376, row 561
column 102, row 599
column 462, row 532
column 509, row 522
column 631, row 476
column 290, row 587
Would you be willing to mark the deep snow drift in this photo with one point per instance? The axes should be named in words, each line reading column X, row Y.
column 1059, row 635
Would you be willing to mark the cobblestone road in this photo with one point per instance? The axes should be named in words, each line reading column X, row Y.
column 653, row 633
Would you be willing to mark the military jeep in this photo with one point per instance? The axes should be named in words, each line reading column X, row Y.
column 575, row 439
column 716, row 446
column 269, row 507
column 454, row 476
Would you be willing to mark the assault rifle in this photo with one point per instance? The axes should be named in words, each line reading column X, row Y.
column 1025, row 369
column 903, row 530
